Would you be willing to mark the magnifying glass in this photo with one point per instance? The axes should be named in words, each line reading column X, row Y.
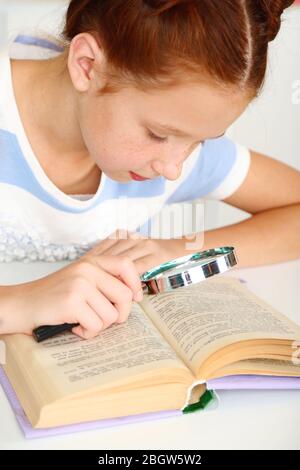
column 179, row 272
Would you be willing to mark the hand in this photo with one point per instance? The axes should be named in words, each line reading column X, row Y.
column 144, row 252
column 95, row 291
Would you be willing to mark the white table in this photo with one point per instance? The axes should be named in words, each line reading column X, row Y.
column 244, row 419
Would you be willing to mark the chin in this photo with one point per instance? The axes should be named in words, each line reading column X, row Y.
column 119, row 178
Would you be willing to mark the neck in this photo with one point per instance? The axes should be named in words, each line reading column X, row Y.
column 54, row 105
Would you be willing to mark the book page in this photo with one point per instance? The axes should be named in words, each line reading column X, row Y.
column 67, row 364
column 202, row 318
column 261, row 366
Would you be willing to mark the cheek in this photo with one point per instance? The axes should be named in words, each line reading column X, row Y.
column 113, row 142
column 133, row 152
column 112, row 150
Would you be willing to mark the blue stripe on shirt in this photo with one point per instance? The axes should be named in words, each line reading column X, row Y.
column 39, row 42
column 15, row 170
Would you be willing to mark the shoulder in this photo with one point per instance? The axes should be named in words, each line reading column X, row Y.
column 35, row 45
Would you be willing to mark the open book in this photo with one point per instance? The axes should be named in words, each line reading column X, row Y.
column 160, row 359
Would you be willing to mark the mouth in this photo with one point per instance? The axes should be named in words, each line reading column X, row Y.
column 137, row 177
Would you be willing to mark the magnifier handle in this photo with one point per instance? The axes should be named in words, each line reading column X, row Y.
column 45, row 332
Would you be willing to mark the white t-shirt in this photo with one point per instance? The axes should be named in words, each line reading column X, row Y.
column 40, row 222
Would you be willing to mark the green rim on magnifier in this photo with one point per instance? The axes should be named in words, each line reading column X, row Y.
column 204, row 256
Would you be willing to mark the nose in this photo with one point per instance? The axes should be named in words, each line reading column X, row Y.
column 169, row 170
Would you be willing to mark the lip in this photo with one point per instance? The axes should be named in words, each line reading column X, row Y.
column 137, row 177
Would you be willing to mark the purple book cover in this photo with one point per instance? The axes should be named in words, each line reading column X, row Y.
column 233, row 382
column 32, row 433
column 255, row 382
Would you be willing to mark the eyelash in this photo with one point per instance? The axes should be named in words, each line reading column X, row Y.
column 156, row 137
column 164, row 139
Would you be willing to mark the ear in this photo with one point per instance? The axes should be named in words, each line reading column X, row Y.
column 84, row 54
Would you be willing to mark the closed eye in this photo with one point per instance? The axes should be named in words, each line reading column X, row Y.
column 156, row 137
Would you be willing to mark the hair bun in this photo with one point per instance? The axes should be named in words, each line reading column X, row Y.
column 273, row 10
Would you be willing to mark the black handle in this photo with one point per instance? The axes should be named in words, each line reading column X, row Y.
column 45, row 332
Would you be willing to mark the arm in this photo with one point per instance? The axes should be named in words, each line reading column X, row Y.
column 271, row 194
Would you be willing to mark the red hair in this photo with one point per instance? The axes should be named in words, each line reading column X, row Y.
column 157, row 43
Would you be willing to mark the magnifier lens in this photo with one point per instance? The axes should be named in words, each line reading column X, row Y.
column 209, row 262
column 169, row 265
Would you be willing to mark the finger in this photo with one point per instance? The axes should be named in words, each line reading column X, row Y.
column 112, row 302
column 136, row 236
column 102, row 247
column 119, row 294
column 123, row 268
column 113, row 239
column 90, row 324
column 136, row 251
column 127, row 241
column 120, row 247
column 144, row 263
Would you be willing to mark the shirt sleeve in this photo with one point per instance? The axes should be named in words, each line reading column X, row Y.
column 228, row 178
column 219, row 170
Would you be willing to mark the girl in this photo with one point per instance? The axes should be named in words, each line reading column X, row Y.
column 128, row 114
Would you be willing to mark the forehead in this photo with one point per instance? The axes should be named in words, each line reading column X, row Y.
column 190, row 108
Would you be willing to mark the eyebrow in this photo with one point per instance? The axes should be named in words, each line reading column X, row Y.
column 175, row 131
